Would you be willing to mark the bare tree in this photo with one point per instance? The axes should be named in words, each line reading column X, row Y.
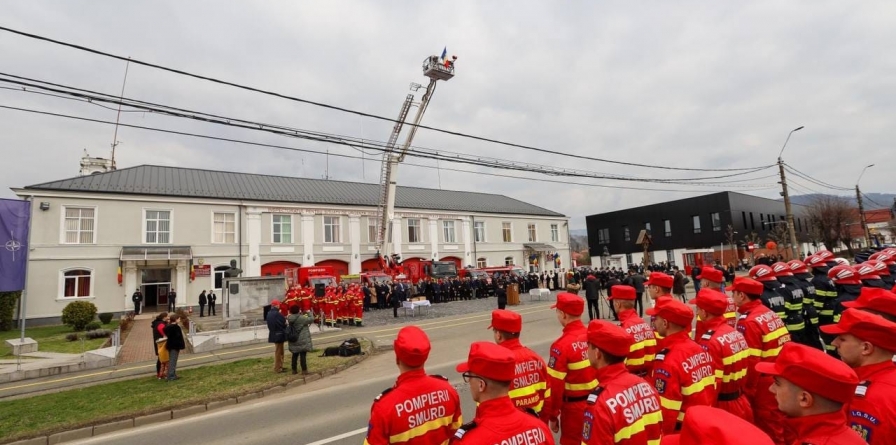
column 831, row 216
column 753, row 238
column 781, row 236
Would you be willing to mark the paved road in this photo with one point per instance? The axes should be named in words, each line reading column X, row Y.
column 335, row 410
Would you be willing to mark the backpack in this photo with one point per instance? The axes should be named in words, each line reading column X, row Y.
column 350, row 347
column 292, row 335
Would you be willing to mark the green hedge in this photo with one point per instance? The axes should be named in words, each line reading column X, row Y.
column 8, row 302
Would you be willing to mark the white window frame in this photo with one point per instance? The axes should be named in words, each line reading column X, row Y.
column 555, row 233
column 292, row 225
column 224, row 237
column 371, row 224
column 62, row 232
column 508, row 261
column 510, row 224
column 419, row 227
column 713, row 217
column 446, row 225
column 479, row 236
column 532, row 232
column 170, row 226
column 338, row 226
column 61, row 289
column 696, row 223
column 667, row 227
column 481, row 262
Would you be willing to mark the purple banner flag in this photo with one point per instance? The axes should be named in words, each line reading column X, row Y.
column 14, row 216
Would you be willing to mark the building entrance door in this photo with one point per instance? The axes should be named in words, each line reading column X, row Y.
column 155, row 287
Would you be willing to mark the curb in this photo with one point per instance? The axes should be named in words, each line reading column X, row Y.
column 185, row 411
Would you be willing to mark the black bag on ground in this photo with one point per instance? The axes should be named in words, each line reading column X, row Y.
column 350, row 347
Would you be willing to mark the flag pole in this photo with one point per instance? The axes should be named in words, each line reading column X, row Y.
column 22, row 315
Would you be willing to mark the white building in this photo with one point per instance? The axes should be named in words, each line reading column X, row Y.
column 160, row 223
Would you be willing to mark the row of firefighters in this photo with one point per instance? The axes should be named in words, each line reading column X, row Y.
column 798, row 353
column 337, row 305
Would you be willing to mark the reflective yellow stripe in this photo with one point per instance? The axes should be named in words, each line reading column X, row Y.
column 694, row 388
column 830, row 347
column 719, row 374
column 539, row 407
column 793, row 306
column 755, row 352
column 670, row 404
column 837, row 318
column 642, row 344
column 826, row 312
column 547, row 393
column 730, row 315
column 556, row 374
column 526, row 390
column 681, row 416
column 782, row 314
column 654, row 442
column 421, row 430
column 727, row 361
column 774, row 335
column 579, row 365
column 728, row 378
column 638, row 426
column 581, row 386
column 772, row 352
column 826, row 293
column 796, row 327
column 634, row 361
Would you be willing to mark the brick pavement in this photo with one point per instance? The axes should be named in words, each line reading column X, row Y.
column 139, row 347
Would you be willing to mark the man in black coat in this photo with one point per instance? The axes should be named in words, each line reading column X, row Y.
column 501, row 293
column 172, row 301
column 202, row 302
column 174, row 345
column 277, row 334
column 137, row 298
column 212, row 299
column 592, row 293
column 399, row 294
column 636, row 280
column 367, row 296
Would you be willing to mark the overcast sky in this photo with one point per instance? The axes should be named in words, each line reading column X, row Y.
column 679, row 84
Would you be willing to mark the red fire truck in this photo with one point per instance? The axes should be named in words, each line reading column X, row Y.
column 311, row 275
column 504, row 270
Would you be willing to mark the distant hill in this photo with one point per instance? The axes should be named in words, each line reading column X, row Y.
column 871, row 201
column 579, row 232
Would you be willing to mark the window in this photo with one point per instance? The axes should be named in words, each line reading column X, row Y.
column 76, row 283
column 647, row 227
column 752, row 222
column 628, row 259
column 508, row 261
column 716, row 222
column 224, row 227
column 603, row 236
column 220, row 276
column 555, row 233
column 670, row 257
column 533, row 235
column 744, row 216
column 448, row 232
column 507, row 232
column 415, row 235
column 371, row 230
column 282, row 229
column 626, row 234
column 158, row 226
column 479, row 232
column 332, row 229
column 79, row 223
column 667, row 227
column 480, row 263
column 696, row 219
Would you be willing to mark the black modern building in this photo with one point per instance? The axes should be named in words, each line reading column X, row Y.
column 689, row 224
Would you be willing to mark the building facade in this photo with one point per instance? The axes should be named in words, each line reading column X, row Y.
column 686, row 229
column 168, row 228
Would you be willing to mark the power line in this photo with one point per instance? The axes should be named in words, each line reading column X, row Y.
column 91, row 96
column 819, row 182
column 281, row 147
column 359, row 113
column 874, row 202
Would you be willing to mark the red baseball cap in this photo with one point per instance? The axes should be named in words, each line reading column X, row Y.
column 622, row 292
column 705, row 425
column 659, row 279
column 814, row 371
column 875, row 299
column 412, row 346
column 711, row 300
column 490, row 361
column 748, row 286
column 275, row 302
column 711, row 274
column 673, row 311
column 507, row 321
column 572, row 304
column 608, row 337
column 866, row 326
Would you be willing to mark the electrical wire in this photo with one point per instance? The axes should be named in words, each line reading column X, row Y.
column 291, row 132
column 818, row 182
column 879, row 205
column 281, row 147
column 359, row 113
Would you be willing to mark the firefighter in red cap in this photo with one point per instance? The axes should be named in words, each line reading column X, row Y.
column 305, row 304
column 810, row 388
column 869, row 274
column 624, row 409
column 489, row 370
column 793, row 302
column 292, row 299
column 765, row 334
column 684, row 374
column 866, row 342
column 639, row 360
column 358, row 301
column 886, row 263
column 728, row 348
column 848, row 283
column 419, row 409
column 329, row 306
column 770, row 297
column 802, row 278
column 825, row 292
column 713, row 278
column 528, row 390
column 570, row 375
column 712, row 426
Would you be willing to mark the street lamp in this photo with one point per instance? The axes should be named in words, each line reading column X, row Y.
column 787, row 208
column 862, row 208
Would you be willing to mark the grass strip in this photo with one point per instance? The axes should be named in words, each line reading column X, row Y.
column 52, row 339
column 77, row 408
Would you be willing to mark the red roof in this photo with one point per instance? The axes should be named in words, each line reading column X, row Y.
column 877, row 216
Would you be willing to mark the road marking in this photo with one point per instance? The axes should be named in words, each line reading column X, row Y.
column 454, row 325
column 341, row 436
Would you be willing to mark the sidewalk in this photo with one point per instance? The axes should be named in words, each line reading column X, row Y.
column 139, row 346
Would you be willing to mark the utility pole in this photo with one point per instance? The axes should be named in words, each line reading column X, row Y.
column 865, row 233
column 786, row 195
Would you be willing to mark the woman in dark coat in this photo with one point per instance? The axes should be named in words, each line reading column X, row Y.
column 175, row 344
column 158, row 326
column 302, row 346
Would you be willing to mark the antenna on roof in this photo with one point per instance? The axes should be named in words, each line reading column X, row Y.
column 118, row 117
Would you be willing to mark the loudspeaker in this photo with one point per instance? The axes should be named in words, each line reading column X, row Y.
column 320, row 290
